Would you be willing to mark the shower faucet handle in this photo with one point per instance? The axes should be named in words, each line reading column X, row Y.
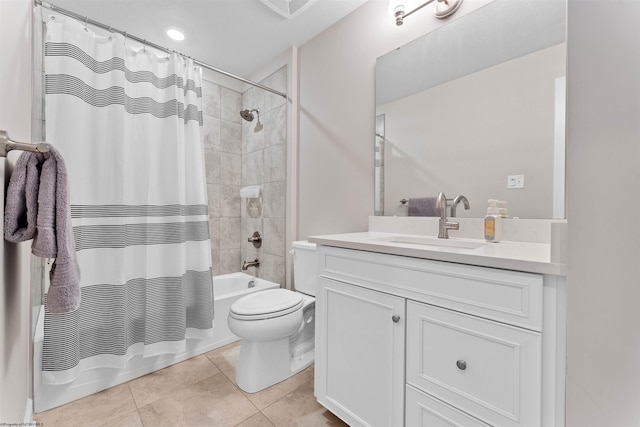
column 256, row 239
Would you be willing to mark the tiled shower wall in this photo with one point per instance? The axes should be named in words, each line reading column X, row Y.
column 222, row 132
column 240, row 153
column 264, row 162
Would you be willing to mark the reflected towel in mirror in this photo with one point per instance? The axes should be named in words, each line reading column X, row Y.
column 423, row 206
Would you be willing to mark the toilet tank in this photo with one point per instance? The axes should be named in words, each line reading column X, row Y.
column 305, row 267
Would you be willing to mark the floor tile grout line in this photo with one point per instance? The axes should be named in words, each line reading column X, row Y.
column 268, row 419
column 283, row 397
column 184, row 386
column 204, row 379
column 135, row 403
column 250, row 416
column 243, row 395
column 210, row 360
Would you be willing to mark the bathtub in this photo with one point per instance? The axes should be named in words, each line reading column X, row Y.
column 227, row 289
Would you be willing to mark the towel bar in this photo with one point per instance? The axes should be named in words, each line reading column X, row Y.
column 6, row 145
column 405, row 201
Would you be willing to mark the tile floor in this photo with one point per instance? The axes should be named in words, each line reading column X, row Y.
column 197, row 392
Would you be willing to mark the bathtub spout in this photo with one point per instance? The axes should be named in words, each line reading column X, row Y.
column 247, row 264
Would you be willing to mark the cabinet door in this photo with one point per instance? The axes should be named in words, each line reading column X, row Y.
column 359, row 368
column 487, row 369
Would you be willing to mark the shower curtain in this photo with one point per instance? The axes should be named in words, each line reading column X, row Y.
column 128, row 124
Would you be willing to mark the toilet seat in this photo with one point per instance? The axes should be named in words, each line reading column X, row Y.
column 266, row 304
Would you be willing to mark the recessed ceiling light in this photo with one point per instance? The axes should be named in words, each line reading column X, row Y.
column 175, row 34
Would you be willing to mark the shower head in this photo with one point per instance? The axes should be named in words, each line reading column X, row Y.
column 248, row 114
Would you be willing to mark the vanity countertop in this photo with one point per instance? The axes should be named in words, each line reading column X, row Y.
column 521, row 256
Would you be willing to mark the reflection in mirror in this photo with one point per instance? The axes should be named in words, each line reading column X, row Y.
column 465, row 107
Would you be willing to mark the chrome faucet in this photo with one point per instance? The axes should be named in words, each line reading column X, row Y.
column 443, row 225
column 247, row 264
column 457, row 200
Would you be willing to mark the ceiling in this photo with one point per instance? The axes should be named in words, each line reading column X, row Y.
column 238, row 36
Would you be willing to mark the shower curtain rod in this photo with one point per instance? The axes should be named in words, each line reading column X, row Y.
column 144, row 42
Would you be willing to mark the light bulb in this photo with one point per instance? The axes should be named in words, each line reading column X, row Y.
column 175, row 34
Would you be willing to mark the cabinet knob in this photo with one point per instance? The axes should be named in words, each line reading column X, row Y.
column 395, row 318
column 461, row 364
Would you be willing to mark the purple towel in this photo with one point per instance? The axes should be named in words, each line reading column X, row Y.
column 37, row 207
column 423, row 206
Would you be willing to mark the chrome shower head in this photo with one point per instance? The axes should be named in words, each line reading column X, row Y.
column 248, row 114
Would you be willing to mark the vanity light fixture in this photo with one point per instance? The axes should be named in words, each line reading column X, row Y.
column 444, row 9
column 175, row 34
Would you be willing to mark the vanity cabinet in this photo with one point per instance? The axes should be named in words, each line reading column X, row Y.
column 410, row 342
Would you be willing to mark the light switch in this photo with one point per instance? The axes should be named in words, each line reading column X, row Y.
column 515, row 181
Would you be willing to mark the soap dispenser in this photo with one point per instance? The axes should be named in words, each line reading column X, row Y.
column 502, row 209
column 492, row 223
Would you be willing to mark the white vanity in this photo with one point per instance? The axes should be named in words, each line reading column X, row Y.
column 416, row 332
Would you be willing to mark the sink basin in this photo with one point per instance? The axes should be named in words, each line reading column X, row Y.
column 432, row 241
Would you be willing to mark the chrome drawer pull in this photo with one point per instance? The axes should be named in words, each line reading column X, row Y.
column 461, row 364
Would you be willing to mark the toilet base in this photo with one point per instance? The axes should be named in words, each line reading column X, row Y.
column 265, row 363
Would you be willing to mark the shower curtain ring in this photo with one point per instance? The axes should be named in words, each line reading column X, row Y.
column 144, row 46
column 86, row 19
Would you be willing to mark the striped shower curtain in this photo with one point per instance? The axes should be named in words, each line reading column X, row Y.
column 128, row 124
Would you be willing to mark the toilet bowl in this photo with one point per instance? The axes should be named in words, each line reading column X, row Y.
column 277, row 326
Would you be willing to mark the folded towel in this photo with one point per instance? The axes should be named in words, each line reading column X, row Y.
column 21, row 202
column 423, row 206
column 37, row 207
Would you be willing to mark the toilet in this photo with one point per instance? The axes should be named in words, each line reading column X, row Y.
column 277, row 326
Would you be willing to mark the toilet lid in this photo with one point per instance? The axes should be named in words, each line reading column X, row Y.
column 270, row 302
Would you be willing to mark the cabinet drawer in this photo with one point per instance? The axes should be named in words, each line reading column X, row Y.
column 426, row 411
column 506, row 296
column 490, row 370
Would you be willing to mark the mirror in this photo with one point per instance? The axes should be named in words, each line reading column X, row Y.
column 472, row 106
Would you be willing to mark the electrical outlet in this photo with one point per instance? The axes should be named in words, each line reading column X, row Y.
column 515, row 181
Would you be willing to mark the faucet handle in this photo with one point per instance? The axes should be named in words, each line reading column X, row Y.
column 256, row 239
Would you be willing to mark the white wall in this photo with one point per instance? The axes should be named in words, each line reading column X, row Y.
column 337, row 113
column 603, row 189
column 15, row 117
